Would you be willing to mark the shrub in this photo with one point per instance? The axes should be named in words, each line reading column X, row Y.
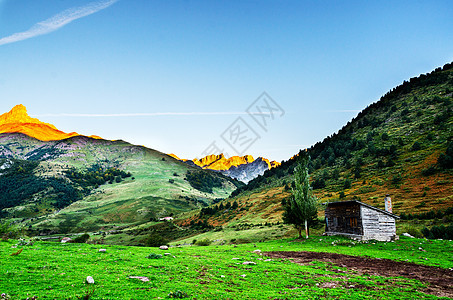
column 429, row 171
column 204, row 242
column 421, row 204
column 319, row 183
column 347, row 184
column 8, row 230
column 396, row 179
column 416, row 146
column 81, row 238
column 155, row 240
column 24, row 242
column 178, row 294
column 439, row 232
column 154, row 256
column 414, row 232
column 445, row 160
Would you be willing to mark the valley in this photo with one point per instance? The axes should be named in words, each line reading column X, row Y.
column 122, row 196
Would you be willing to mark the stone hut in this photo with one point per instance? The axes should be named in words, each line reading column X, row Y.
column 361, row 221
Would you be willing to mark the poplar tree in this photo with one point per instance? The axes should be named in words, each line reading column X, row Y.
column 301, row 207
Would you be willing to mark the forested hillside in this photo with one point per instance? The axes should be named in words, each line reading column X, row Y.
column 82, row 183
column 401, row 145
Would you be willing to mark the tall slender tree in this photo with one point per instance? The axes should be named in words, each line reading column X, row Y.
column 301, row 207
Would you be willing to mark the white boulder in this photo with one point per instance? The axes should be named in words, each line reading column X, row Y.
column 90, row 280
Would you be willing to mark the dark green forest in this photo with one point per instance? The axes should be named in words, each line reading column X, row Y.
column 19, row 183
column 205, row 181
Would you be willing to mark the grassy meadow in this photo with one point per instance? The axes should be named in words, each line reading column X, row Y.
column 50, row 270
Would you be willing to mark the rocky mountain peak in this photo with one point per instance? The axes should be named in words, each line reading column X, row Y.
column 17, row 120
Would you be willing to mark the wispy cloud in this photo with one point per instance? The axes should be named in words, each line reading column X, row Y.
column 344, row 111
column 58, row 21
column 155, row 114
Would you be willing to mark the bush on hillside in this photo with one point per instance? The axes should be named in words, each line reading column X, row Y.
column 318, row 183
column 8, row 230
column 154, row 256
column 439, row 232
column 81, row 238
column 414, row 232
column 204, row 242
column 430, row 215
column 445, row 160
column 416, row 146
column 155, row 240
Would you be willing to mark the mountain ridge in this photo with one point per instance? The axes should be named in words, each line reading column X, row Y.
column 401, row 145
column 17, row 120
column 243, row 168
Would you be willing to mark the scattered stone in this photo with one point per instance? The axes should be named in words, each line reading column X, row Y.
column 66, row 239
column 235, row 258
column 408, row 235
column 167, row 254
column 142, row 278
column 256, row 251
column 249, row 263
column 102, row 250
column 223, row 276
column 90, row 280
column 163, row 247
column 243, row 275
column 268, row 259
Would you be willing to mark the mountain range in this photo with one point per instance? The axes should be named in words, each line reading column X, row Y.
column 68, row 182
column 243, row 168
column 401, row 145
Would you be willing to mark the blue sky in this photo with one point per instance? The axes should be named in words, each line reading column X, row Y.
column 175, row 75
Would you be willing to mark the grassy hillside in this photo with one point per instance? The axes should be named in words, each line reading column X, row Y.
column 109, row 184
column 400, row 145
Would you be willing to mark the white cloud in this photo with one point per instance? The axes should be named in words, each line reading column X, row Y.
column 344, row 111
column 58, row 21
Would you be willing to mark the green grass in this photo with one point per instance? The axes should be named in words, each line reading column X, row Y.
column 58, row 271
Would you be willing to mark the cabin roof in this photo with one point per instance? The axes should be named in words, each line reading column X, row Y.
column 340, row 203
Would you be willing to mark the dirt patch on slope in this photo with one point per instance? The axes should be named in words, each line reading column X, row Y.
column 440, row 281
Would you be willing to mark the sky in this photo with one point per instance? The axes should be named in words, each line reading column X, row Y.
column 265, row 78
